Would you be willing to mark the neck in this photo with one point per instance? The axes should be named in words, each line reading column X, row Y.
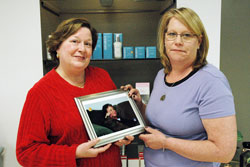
column 178, row 73
column 75, row 79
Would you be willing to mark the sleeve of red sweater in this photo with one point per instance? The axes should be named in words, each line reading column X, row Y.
column 33, row 147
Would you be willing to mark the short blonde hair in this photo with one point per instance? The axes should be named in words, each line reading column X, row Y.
column 191, row 20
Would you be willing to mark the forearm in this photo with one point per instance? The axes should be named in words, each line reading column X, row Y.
column 199, row 150
column 45, row 155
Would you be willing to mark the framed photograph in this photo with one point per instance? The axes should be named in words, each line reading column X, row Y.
column 110, row 116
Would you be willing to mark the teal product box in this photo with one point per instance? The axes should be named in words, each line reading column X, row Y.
column 128, row 52
column 139, row 52
column 107, row 46
column 97, row 54
column 120, row 37
column 150, row 52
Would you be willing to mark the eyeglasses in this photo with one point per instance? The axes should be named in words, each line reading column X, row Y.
column 186, row 37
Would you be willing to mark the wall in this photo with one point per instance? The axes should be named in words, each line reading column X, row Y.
column 21, row 66
column 235, row 57
column 210, row 14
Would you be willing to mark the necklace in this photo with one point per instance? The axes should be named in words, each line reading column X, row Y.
column 164, row 96
column 69, row 80
column 81, row 85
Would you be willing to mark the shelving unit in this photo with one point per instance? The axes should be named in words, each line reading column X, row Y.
column 137, row 20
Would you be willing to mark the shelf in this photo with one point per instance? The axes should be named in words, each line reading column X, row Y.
column 127, row 59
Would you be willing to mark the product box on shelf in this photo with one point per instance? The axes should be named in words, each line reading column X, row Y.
column 139, row 52
column 141, row 159
column 136, row 162
column 133, row 162
column 151, row 52
column 128, row 52
column 124, row 160
column 144, row 89
column 107, row 46
column 124, row 157
column 97, row 54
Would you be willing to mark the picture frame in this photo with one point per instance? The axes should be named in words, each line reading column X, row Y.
column 99, row 123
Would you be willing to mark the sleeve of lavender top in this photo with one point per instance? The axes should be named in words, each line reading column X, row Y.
column 216, row 99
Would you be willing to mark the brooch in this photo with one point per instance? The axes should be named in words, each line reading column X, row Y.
column 162, row 97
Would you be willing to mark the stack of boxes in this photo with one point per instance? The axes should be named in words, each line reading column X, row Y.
column 105, row 49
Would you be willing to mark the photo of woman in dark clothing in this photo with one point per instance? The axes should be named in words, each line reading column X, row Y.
column 120, row 116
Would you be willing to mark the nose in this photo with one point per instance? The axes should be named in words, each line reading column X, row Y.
column 81, row 46
column 178, row 39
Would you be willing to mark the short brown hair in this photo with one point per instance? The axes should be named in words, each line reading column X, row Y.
column 64, row 30
column 191, row 20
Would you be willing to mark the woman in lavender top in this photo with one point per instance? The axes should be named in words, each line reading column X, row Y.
column 191, row 113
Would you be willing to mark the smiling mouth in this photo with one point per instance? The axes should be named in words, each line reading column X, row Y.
column 80, row 57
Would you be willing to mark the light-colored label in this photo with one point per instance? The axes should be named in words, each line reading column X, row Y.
column 143, row 87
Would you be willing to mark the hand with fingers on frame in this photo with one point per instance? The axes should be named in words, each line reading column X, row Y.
column 134, row 94
column 154, row 139
column 127, row 140
column 86, row 150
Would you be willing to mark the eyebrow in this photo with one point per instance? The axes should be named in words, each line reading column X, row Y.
column 75, row 36
column 181, row 33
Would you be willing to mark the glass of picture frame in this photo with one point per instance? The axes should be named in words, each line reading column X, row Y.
column 126, row 119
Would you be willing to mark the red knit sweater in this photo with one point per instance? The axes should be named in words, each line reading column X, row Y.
column 51, row 127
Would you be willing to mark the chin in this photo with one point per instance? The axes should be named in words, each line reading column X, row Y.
column 81, row 66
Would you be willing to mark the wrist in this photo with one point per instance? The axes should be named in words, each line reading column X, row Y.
column 140, row 105
column 78, row 152
column 77, row 155
column 164, row 141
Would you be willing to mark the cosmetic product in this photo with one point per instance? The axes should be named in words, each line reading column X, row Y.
column 107, row 46
column 150, row 52
column 128, row 52
column 117, row 47
column 139, row 52
column 48, row 54
column 97, row 54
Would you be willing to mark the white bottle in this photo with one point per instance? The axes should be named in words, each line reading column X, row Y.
column 117, row 47
column 48, row 54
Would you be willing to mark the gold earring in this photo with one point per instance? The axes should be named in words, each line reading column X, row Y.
column 57, row 55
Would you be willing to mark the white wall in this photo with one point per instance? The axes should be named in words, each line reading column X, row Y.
column 209, row 12
column 21, row 66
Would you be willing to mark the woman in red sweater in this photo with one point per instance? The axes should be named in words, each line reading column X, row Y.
column 51, row 131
